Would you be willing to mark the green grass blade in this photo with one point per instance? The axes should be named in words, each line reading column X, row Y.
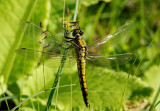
column 60, row 70
column 76, row 11
column 58, row 75
column 13, row 97
column 98, row 15
column 123, row 93
column 153, row 106
column 36, row 95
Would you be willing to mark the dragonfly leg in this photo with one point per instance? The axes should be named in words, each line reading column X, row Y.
column 63, row 43
column 43, row 32
column 69, row 38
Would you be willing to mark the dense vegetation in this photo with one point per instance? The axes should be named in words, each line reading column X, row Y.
column 132, row 86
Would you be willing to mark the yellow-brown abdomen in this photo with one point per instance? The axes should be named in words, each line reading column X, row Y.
column 81, row 64
column 82, row 79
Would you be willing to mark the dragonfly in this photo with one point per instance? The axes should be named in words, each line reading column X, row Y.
column 79, row 51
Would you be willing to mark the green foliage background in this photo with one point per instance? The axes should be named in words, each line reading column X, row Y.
column 131, row 86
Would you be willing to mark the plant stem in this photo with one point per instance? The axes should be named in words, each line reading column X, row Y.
column 60, row 70
column 58, row 75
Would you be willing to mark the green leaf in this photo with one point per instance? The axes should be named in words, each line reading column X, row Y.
column 11, row 13
column 105, row 88
column 152, row 76
column 38, row 81
column 23, row 65
column 11, row 37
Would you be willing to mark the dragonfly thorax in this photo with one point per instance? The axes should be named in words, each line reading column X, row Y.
column 77, row 32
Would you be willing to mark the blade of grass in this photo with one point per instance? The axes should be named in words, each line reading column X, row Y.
column 98, row 15
column 57, row 79
column 59, row 76
column 153, row 106
column 13, row 97
column 60, row 70
column 127, row 80
column 9, row 93
column 4, row 97
column 36, row 95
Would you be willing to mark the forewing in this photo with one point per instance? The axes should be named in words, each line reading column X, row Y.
column 108, row 40
column 51, row 59
column 40, row 36
column 110, row 60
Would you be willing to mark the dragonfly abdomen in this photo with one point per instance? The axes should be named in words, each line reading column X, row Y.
column 81, row 64
column 82, row 79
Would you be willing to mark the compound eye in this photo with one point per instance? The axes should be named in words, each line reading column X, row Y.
column 81, row 32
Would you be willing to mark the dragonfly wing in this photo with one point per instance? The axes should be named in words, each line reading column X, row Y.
column 51, row 59
column 33, row 55
column 40, row 36
column 113, row 38
column 110, row 60
column 55, row 62
column 32, row 31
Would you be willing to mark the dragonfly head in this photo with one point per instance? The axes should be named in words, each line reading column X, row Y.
column 77, row 32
